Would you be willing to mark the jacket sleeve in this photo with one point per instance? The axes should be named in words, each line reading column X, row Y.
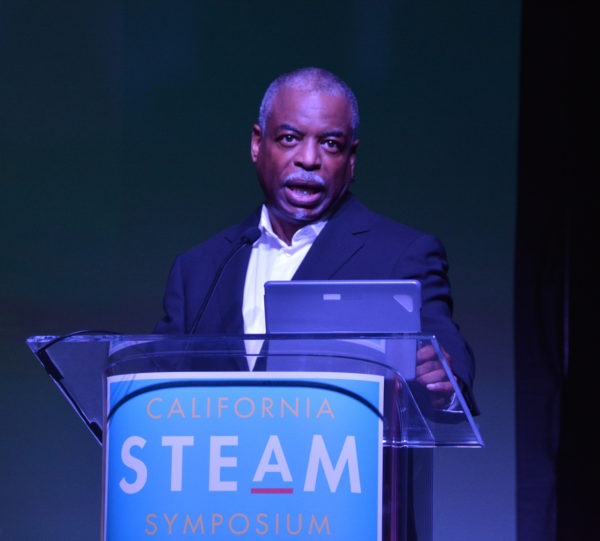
column 173, row 322
column 427, row 258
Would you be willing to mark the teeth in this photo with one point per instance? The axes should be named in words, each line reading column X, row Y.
column 303, row 191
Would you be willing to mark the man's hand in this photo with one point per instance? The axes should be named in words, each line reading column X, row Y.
column 431, row 374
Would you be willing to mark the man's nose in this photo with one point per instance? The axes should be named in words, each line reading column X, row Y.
column 308, row 156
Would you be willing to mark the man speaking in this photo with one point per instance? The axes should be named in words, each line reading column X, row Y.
column 311, row 228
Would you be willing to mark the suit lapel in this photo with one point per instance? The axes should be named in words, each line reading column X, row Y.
column 339, row 241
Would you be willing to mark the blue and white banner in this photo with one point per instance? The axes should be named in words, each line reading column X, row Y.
column 239, row 456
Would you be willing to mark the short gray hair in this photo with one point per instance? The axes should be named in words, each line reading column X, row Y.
column 312, row 79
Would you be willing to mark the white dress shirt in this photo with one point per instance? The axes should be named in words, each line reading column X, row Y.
column 271, row 259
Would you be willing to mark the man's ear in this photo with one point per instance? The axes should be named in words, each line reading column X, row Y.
column 255, row 142
column 353, row 149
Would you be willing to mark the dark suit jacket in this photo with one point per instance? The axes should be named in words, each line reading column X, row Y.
column 355, row 244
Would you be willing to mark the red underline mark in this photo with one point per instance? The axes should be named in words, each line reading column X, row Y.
column 271, row 491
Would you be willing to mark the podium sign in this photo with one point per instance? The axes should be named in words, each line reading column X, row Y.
column 233, row 455
column 328, row 435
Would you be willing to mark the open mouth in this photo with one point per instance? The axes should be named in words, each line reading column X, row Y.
column 303, row 193
column 304, row 190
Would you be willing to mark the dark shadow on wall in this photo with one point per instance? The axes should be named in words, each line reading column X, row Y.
column 554, row 329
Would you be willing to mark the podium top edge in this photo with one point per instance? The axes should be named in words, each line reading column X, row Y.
column 87, row 336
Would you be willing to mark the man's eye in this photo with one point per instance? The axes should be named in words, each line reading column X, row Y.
column 332, row 145
column 287, row 139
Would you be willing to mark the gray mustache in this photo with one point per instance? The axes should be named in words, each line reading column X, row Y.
column 308, row 176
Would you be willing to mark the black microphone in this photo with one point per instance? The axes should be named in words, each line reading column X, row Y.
column 251, row 235
column 248, row 238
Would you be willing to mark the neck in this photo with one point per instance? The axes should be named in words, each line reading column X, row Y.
column 284, row 230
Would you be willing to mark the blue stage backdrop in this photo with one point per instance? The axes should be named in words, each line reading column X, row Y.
column 125, row 141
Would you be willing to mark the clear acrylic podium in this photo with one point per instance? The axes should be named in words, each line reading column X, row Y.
column 323, row 387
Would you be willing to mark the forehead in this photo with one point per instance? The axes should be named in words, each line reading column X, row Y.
column 310, row 110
